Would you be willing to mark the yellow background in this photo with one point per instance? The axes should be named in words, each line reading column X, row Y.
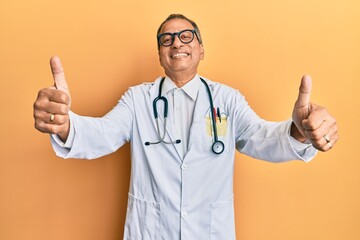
column 260, row 47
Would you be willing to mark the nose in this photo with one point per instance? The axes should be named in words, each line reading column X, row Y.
column 177, row 43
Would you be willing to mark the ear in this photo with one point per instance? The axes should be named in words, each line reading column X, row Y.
column 202, row 52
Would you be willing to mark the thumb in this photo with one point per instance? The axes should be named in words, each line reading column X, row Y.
column 304, row 92
column 58, row 74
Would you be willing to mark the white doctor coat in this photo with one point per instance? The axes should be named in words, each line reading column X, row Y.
column 172, row 196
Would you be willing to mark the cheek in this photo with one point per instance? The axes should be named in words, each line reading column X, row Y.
column 162, row 58
column 199, row 56
column 160, row 61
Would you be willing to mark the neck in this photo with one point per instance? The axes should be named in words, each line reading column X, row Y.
column 181, row 79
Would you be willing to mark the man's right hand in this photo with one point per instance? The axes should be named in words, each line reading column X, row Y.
column 51, row 108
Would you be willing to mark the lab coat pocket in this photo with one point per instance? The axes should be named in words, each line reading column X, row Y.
column 222, row 122
column 222, row 225
column 142, row 220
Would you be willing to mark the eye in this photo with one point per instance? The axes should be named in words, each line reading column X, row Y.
column 186, row 36
column 165, row 39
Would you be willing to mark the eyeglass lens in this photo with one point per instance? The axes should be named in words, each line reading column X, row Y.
column 185, row 36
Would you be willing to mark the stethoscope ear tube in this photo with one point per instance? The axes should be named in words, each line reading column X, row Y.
column 154, row 107
column 156, row 115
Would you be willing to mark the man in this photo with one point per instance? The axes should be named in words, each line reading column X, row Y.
column 183, row 131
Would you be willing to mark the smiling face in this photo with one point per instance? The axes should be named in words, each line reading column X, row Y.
column 180, row 60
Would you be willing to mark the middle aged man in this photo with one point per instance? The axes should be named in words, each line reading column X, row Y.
column 182, row 164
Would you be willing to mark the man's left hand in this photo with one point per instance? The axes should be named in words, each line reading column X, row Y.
column 311, row 122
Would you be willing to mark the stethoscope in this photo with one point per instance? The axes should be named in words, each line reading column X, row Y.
column 217, row 146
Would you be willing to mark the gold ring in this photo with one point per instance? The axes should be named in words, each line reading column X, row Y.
column 327, row 139
column 52, row 118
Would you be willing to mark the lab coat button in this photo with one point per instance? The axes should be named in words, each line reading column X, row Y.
column 184, row 166
column 183, row 214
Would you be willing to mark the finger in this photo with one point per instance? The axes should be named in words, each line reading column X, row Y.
column 51, row 94
column 46, row 107
column 57, row 108
column 51, row 128
column 327, row 132
column 59, row 97
column 317, row 115
column 328, row 144
column 50, row 117
column 57, row 119
column 58, row 74
column 304, row 92
column 325, row 136
column 326, row 128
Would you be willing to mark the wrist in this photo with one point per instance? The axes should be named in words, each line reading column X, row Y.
column 296, row 134
column 64, row 134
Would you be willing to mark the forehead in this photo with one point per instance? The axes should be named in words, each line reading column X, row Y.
column 176, row 25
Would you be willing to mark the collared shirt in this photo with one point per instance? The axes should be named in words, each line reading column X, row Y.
column 183, row 101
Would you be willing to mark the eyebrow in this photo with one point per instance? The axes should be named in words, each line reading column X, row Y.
column 177, row 31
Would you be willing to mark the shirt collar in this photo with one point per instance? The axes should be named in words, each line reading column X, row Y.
column 191, row 88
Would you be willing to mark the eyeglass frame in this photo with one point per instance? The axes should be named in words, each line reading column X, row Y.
column 193, row 31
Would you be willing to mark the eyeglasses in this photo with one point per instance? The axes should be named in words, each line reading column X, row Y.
column 167, row 39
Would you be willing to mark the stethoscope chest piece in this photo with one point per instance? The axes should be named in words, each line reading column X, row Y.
column 218, row 147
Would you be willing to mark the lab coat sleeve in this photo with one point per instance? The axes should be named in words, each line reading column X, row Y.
column 305, row 150
column 93, row 137
column 265, row 140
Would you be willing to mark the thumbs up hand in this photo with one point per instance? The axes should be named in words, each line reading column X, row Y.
column 312, row 122
column 51, row 108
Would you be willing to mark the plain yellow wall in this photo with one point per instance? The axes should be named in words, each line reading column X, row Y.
column 260, row 47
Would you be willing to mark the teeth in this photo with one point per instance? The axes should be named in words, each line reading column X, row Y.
column 179, row 55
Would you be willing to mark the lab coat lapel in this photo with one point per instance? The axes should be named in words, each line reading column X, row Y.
column 171, row 134
column 201, row 108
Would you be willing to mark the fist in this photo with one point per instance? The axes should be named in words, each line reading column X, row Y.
column 312, row 122
column 52, row 105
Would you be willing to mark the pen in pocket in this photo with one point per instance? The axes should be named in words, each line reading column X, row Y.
column 218, row 114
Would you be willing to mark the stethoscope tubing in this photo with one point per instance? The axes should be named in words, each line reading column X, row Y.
column 217, row 147
column 211, row 110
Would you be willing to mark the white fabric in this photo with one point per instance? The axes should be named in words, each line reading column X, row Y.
column 183, row 102
column 174, row 193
